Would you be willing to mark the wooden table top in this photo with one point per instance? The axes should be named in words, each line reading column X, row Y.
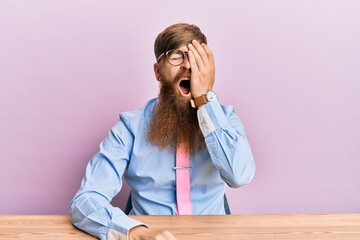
column 249, row 227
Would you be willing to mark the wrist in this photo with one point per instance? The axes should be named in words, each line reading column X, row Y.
column 201, row 100
column 136, row 232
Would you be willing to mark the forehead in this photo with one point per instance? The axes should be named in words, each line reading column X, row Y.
column 183, row 48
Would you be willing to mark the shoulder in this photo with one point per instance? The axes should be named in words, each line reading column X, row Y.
column 131, row 118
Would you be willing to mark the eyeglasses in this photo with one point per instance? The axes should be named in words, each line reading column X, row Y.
column 175, row 56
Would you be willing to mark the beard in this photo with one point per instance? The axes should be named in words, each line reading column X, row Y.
column 174, row 120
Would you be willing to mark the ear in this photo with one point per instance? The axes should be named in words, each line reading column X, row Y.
column 157, row 71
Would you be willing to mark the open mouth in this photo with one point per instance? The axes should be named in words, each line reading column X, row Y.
column 185, row 86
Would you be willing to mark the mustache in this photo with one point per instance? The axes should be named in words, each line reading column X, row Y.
column 182, row 73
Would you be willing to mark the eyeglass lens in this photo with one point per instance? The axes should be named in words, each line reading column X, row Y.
column 175, row 57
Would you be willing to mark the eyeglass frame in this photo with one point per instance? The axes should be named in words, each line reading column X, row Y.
column 184, row 55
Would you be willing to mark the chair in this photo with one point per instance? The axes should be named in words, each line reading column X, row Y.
column 128, row 206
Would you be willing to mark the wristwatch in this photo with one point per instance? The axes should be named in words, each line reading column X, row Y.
column 209, row 96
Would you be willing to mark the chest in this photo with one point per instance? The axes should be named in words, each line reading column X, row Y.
column 153, row 168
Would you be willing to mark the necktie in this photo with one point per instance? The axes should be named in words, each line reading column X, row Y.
column 183, row 180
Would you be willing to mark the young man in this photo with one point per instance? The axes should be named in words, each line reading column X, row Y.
column 177, row 153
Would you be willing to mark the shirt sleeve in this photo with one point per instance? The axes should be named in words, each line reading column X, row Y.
column 90, row 209
column 226, row 142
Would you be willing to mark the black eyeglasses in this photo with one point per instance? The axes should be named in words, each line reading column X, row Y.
column 175, row 56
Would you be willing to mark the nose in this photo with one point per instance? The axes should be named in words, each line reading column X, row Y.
column 186, row 63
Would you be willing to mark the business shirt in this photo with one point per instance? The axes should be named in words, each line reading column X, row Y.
column 149, row 171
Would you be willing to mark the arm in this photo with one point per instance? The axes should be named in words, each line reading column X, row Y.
column 90, row 209
column 224, row 134
column 226, row 141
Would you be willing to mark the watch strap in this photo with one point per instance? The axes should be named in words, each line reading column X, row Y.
column 199, row 101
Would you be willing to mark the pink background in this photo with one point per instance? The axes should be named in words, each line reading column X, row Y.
column 290, row 68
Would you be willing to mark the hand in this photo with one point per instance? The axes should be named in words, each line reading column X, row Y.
column 202, row 65
column 141, row 232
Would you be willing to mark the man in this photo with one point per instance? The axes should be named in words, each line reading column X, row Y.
column 186, row 123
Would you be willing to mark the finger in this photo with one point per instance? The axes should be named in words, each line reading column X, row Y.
column 169, row 235
column 193, row 64
column 203, row 54
column 197, row 56
column 164, row 235
column 209, row 53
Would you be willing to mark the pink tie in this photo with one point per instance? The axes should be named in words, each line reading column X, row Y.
column 183, row 181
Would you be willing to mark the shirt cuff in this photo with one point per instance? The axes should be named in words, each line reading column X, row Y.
column 119, row 228
column 211, row 117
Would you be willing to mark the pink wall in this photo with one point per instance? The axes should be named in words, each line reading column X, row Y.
column 291, row 69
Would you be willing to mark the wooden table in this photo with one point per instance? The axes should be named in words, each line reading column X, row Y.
column 249, row 227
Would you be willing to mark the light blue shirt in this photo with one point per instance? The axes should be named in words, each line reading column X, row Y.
column 149, row 171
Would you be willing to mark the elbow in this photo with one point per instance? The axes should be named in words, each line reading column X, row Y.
column 241, row 181
column 74, row 212
column 245, row 176
column 78, row 210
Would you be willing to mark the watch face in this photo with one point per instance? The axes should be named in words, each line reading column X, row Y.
column 211, row 96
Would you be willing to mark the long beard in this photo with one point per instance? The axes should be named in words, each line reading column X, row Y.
column 174, row 121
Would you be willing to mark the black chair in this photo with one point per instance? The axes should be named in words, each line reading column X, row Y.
column 128, row 206
column 226, row 206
